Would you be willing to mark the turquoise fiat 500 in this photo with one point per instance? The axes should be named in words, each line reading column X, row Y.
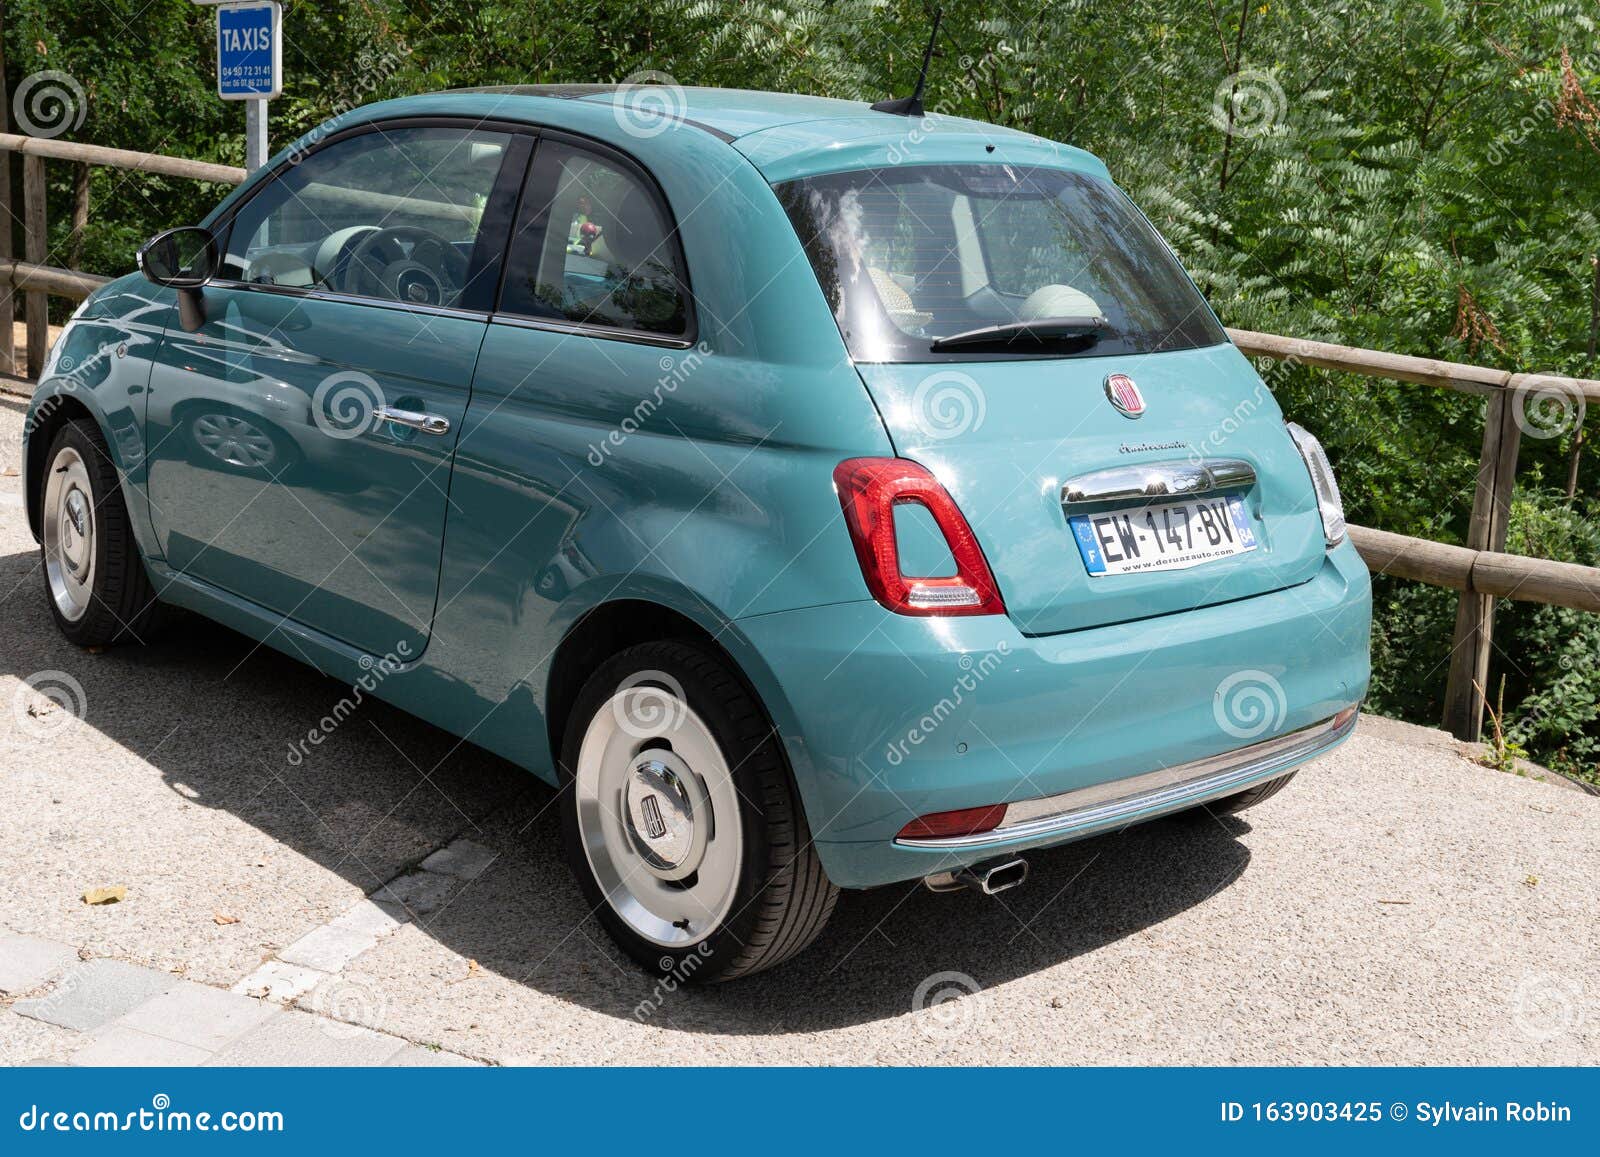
column 819, row 496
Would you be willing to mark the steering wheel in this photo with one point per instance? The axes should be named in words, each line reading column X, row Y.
column 379, row 266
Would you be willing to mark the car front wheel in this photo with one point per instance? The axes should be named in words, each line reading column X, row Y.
column 681, row 819
column 98, row 590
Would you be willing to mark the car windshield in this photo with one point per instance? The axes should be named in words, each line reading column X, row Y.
column 939, row 262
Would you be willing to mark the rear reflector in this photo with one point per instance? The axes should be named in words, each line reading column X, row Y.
column 869, row 490
column 963, row 822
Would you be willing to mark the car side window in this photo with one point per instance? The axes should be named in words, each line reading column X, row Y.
column 598, row 248
column 391, row 214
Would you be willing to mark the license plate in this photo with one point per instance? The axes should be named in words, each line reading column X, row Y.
column 1168, row 536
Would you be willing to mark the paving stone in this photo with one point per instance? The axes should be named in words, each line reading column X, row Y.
column 27, row 961
column 301, row 1039
column 419, row 893
column 280, row 982
column 462, row 859
column 122, row 1047
column 417, row 1057
column 372, row 917
column 198, row 1016
column 95, row 993
column 328, row 948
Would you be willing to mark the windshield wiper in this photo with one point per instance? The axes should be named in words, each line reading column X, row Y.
column 1043, row 329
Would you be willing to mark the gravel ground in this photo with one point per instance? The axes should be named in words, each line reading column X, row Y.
column 1397, row 905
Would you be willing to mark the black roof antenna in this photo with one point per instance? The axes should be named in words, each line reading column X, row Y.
column 911, row 106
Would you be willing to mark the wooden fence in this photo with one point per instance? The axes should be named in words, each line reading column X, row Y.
column 1480, row 570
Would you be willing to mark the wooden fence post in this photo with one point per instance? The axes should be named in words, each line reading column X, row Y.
column 80, row 215
column 8, row 306
column 1491, row 514
column 36, row 245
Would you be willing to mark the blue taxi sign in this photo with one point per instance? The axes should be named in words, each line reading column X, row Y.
column 249, row 51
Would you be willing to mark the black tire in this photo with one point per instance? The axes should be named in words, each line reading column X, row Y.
column 122, row 605
column 784, row 897
column 1251, row 796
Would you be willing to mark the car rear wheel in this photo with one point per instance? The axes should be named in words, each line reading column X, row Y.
column 1238, row 801
column 681, row 820
column 99, row 592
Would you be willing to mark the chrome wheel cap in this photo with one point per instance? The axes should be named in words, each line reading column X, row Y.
column 658, row 815
column 69, row 534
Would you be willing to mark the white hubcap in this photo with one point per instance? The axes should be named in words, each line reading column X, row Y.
column 69, row 530
column 659, row 815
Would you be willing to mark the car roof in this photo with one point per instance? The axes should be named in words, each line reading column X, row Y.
column 788, row 135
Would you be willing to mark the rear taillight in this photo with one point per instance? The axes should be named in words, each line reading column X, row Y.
column 1329, row 505
column 869, row 490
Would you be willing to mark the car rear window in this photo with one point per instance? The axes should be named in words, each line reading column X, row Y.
column 912, row 254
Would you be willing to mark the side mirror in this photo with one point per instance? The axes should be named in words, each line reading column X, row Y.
column 182, row 259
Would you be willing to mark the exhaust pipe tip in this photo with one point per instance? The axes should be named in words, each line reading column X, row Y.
column 989, row 878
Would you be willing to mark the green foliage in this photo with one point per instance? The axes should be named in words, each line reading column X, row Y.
column 1418, row 177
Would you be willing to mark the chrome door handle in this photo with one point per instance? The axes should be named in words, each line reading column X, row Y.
column 416, row 419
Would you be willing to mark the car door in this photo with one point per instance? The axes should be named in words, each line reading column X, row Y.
column 300, row 441
column 595, row 300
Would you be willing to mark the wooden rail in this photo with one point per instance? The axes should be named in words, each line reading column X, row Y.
column 121, row 158
column 68, row 283
column 1404, row 368
column 1480, row 570
column 1505, row 576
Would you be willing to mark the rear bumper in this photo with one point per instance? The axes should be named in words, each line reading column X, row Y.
column 1087, row 810
column 888, row 717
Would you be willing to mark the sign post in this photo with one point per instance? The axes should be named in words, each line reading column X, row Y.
column 250, row 65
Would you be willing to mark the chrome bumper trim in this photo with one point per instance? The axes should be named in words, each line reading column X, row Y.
column 1169, row 789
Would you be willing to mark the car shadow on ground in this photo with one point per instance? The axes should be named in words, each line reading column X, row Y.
column 216, row 714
